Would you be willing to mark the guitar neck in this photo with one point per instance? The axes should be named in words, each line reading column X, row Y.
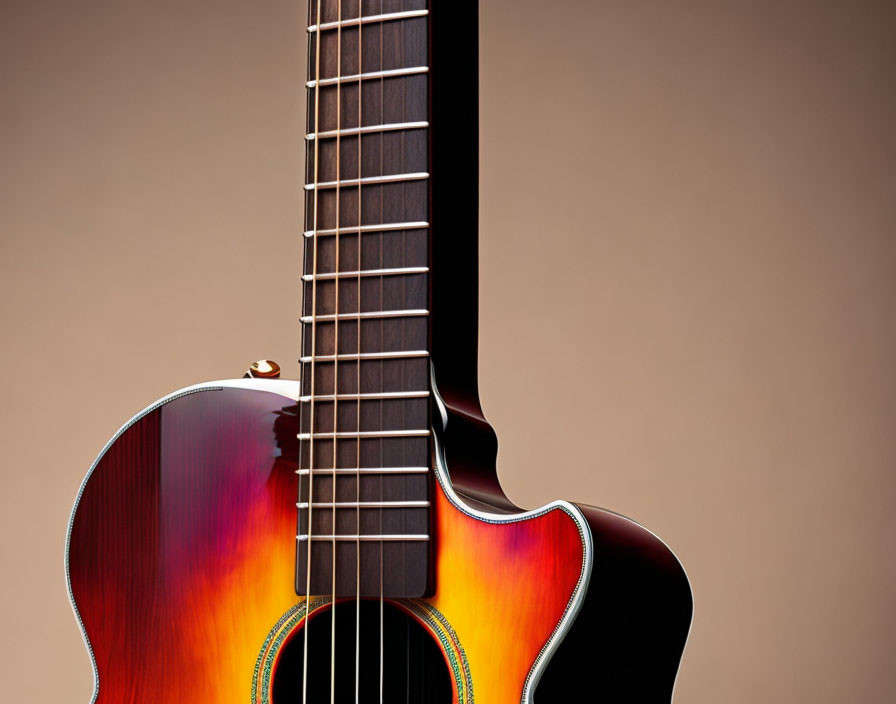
column 389, row 279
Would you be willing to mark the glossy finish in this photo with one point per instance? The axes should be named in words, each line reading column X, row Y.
column 631, row 630
column 182, row 547
column 181, row 558
column 264, row 369
column 182, row 553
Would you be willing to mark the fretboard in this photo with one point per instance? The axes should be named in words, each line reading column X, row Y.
column 365, row 446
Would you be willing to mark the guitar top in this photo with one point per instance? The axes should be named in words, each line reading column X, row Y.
column 344, row 538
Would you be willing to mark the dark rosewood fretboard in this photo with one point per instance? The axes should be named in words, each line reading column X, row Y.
column 367, row 304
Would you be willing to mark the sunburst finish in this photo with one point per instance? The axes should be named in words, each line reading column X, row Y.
column 181, row 559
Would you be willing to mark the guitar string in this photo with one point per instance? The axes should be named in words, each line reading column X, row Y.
column 382, row 336
column 335, row 441
column 313, row 352
column 404, row 444
column 408, row 481
column 358, row 379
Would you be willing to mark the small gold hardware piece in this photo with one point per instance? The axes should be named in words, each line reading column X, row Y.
column 264, row 369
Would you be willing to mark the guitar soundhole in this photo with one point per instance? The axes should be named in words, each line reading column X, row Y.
column 414, row 670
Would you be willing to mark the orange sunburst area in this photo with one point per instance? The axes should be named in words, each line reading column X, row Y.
column 182, row 560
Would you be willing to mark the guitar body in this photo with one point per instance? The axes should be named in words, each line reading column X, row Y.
column 181, row 559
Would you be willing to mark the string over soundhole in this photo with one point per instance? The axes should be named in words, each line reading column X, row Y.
column 390, row 657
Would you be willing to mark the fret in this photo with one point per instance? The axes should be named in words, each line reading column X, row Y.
column 325, row 520
column 369, row 76
column 351, row 435
column 405, row 288
column 406, row 162
column 376, row 376
column 374, row 396
column 387, row 293
column 347, row 479
column 380, row 202
column 364, row 273
column 401, row 354
column 374, row 487
column 364, row 315
column 367, row 181
column 384, row 46
column 374, row 335
column 367, row 129
column 364, row 471
column 303, row 505
column 390, row 537
column 382, row 227
column 393, row 419
column 377, row 104
column 369, row 19
column 388, row 452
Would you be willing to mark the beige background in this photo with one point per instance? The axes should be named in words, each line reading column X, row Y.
column 688, row 250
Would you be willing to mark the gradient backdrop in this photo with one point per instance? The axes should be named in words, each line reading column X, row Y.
column 688, row 284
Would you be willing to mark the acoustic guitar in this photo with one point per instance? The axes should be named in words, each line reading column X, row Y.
column 344, row 538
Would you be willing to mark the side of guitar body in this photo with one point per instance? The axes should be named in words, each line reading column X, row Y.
column 181, row 563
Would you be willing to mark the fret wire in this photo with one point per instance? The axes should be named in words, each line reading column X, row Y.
column 372, row 75
column 365, row 434
column 373, row 314
column 367, row 129
column 378, row 396
column 361, row 356
column 368, row 19
column 390, row 537
column 366, row 470
column 400, row 271
column 367, row 181
column 381, row 227
column 303, row 505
